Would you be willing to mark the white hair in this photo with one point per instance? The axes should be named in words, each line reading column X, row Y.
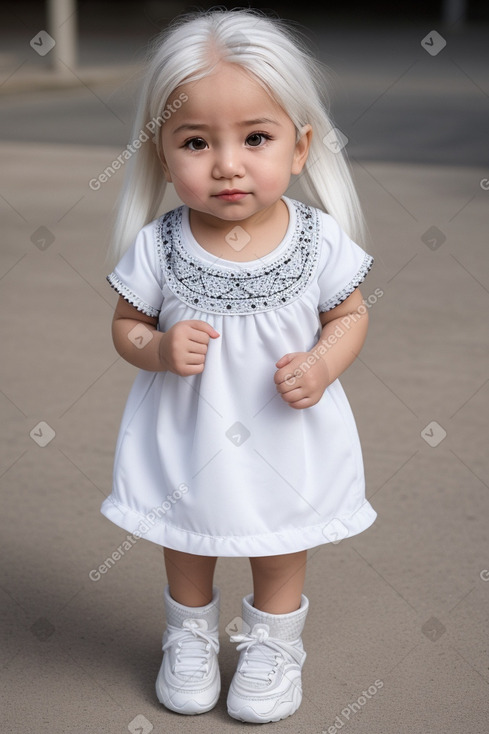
column 279, row 59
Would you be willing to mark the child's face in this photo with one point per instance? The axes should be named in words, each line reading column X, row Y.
column 230, row 149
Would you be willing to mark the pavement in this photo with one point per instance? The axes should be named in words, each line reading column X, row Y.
column 397, row 634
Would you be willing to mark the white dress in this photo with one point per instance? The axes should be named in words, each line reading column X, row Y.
column 217, row 464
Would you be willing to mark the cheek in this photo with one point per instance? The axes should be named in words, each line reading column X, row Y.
column 190, row 172
column 273, row 171
column 188, row 180
column 175, row 167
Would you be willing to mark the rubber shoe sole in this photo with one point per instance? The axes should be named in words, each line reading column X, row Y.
column 281, row 710
column 190, row 706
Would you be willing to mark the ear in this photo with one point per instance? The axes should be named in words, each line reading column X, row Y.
column 165, row 168
column 302, row 149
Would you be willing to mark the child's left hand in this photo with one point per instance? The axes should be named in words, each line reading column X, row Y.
column 301, row 383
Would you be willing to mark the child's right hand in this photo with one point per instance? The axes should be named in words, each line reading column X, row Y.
column 183, row 347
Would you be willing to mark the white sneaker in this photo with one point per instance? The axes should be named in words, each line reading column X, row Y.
column 189, row 680
column 267, row 685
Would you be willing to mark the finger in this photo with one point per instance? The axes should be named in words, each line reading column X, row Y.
column 203, row 326
column 191, row 369
column 285, row 360
column 301, row 404
column 287, row 376
column 288, row 384
column 293, row 395
column 193, row 358
column 299, row 399
column 195, row 347
column 196, row 336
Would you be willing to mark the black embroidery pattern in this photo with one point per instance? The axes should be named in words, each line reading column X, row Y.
column 234, row 289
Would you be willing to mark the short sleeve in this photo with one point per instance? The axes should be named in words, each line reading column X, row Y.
column 137, row 277
column 344, row 265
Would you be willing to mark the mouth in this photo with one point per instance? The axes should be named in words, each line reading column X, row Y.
column 231, row 194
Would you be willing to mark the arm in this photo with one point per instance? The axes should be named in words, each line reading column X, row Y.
column 302, row 377
column 181, row 349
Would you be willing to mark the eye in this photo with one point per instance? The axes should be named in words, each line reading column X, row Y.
column 195, row 144
column 256, row 139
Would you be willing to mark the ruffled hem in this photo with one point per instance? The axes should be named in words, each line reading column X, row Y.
column 129, row 296
column 362, row 273
column 292, row 540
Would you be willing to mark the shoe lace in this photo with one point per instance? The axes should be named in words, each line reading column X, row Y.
column 263, row 654
column 193, row 646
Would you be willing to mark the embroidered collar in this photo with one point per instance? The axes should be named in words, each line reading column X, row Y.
column 232, row 288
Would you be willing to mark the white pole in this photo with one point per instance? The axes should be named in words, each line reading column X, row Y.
column 62, row 26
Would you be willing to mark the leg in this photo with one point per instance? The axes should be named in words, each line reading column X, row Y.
column 267, row 686
column 190, row 577
column 278, row 582
column 189, row 681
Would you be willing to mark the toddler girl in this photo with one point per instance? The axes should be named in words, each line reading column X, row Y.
column 240, row 308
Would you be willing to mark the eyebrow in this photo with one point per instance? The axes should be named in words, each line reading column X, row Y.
column 245, row 123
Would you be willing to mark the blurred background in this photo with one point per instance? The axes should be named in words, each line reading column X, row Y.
column 393, row 100
column 405, row 603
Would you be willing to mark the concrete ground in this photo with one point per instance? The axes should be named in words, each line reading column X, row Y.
column 397, row 634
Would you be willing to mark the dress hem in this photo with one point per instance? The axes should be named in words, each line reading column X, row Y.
column 292, row 540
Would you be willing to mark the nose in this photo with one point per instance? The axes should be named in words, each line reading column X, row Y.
column 227, row 162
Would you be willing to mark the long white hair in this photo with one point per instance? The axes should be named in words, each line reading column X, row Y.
column 279, row 59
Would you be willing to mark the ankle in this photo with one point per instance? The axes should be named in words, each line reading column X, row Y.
column 271, row 608
column 191, row 599
column 286, row 625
